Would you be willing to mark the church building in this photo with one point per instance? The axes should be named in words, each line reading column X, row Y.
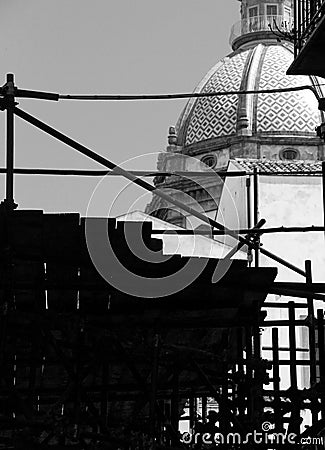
column 269, row 131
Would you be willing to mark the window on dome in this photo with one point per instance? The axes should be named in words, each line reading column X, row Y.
column 253, row 19
column 253, row 11
column 289, row 154
column 271, row 14
column 271, row 10
column 209, row 160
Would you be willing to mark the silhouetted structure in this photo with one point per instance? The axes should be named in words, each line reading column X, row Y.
column 86, row 366
column 309, row 37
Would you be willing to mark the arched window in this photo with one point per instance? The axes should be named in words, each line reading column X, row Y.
column 209, row 160
column 289, row 154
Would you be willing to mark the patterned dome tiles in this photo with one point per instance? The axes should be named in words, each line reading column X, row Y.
column 216, row 116
column 276, row 113
column 286, row 111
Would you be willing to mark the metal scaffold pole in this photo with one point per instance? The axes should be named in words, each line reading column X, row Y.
column 10, row 104
column 255, row 182
column 323, row 184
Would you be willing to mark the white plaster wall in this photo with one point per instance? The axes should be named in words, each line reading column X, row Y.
column 232, row 211
column 292, row 201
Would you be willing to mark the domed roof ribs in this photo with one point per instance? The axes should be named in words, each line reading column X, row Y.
column 246, row 102
column 257, row 86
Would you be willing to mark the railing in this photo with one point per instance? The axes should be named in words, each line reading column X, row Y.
column 307, row 16
column 260, row 23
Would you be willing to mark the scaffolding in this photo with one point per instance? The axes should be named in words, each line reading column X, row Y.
column 85, row 366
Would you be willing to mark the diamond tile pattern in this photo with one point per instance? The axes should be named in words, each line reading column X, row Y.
column 216, row 116
column 280, row 113
column 284, row 112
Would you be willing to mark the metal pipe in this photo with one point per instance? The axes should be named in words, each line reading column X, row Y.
column 311, row 336
column 249, row 370
column 23, row 93
column 10, row 99
column 240, row 365
column 312, row 287
column 154, row 173
column 255, row 210
column 282, row 261
column 166, row 96
column 303, row 16
column 140, row 173
column 323, row 184
column 248, row 193
column 321, row 351
column 276, row 379
column 240, row 231
column 292, row 345
column 295, row 293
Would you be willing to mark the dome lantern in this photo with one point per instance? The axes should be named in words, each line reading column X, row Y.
column 258, row 18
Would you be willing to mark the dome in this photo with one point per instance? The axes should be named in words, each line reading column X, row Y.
column 262, row 65
column 277, row 127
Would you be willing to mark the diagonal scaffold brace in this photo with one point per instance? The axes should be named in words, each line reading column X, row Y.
column 142, row 183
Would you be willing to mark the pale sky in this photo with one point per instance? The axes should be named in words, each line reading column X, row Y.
column 103, row 47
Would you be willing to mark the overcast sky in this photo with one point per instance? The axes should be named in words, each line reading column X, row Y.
column 103, row 47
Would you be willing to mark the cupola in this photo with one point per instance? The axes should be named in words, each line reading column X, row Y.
column 259, row 20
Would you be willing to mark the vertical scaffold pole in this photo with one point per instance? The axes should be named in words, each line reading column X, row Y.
column 321, row 353
column 255, row 181
column 323, row 183
column 248, row 193
column 311, row 334
column 292, row 345
column 276, row 380
column 10, row 99
column 294, row 424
